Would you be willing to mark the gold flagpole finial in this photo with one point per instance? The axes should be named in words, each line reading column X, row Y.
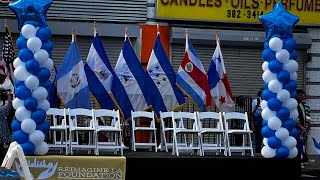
column 6, row 22
column 73, row 35
column 217, row 37
column 126, row 31
column 95, row 28
column 158, row 29
column 187, row 33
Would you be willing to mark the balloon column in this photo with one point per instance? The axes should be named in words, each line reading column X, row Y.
column 32, row 75
column 279, row 106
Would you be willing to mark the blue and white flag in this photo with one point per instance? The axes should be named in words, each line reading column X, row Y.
column 128, row 85
column 53, row 98
column 166, row 96
column 99, row 74
column 72, row 82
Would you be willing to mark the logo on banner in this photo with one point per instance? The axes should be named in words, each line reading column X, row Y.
column 49, row 168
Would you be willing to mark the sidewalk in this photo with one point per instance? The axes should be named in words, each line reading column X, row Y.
column 311, row 170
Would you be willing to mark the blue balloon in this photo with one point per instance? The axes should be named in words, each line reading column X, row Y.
column 28, row 148
column 21, row 42
column 289, row 124
column 274, row 142
column 274, row 104
column 267, row 132
column 267, row 94
column 31, row 104
column 44, row 33
column 25, row 55
column 30, row 10
column 34, row 23
column 43, row 74
column 290, row 86
column 294, row 132
column 47, row 84
column 276, row 35
column 44, row 126
column 32, row 66
column 283, row 113
column 16, row 125
column 290, row 44
column 265, row 85
column 18, row 83
column 20, row 136
column 294, row 94
column 282, row 152
column 283, row 76
column 275, row 66
column 268, row 55
column 294, row 55
column 264, row 122
column 48, row 46
column 39, row 115
column 22, row 92
column 266, row 45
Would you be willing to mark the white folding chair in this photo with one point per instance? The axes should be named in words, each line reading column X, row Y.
column 58, row 118
column 191, row 127
column 80, row 121
column 143, row 121
column 211, row 125
column 166, row 129
column 110, row 120
column 242, row 122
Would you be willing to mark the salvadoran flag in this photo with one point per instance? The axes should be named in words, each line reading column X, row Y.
column 72, row 82
column 129, row 87
column 192, row 78
column 99, row 74
column 166, row 96
column 218, row 81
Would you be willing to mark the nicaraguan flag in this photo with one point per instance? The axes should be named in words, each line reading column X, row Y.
column 218, row 81
column 192, row 78
column 72, row 81
column 99, row 74
column 166, row 96
column 128, row 87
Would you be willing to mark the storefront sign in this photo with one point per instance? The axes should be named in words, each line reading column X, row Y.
column 247, row 11
column 74, row 167
column 6, row 1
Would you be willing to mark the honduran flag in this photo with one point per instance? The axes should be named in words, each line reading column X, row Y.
column 99, row 74
column 192, row 78
column 166, row 96
column 128, row 86
column 218, row 81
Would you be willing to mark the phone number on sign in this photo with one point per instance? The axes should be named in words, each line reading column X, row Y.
column 244, row 14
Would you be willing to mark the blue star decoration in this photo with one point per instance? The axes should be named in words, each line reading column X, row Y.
column 31, row 10
column 278, row 21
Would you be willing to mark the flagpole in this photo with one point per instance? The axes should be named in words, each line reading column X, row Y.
column 95, row 29
column 214, row 102
column 74, row 38
column 158, row 29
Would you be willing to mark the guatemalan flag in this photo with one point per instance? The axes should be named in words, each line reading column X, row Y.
column 218, row 81
column 192, row 78
column 128, row 87
column 72, row 81
column 166, row 96
column 99, row 74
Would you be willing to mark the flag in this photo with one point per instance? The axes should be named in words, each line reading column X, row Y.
column 53, row 97
column 192, row 78
column 166, row 96
column 8, row 54
column 99, row 74
column 128, row 86
column 218, row 81
column 72, row 82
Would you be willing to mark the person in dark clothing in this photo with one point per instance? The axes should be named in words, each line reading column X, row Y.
column 257, row 121
column 5, row 135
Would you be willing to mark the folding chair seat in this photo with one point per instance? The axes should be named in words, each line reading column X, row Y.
column 149, row 125
column 242, row 122
column 191, row 127
column 81, row 121
column 111, row 127
column 58, row 130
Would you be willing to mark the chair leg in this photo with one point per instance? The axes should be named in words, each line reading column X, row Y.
column 133, row 140
column 155, row 140
column 120, row 141
column 201, row 143
column 228, row 143
column 251, row 148
column 66, row 141
column 71, row 141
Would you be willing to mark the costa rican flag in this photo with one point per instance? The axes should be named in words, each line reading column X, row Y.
column 192, row 78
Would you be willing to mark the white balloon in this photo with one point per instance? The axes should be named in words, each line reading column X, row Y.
column 275, row 86
column 44, row 104
column 267, row 113
column 17, row 103
column 267, row 76
column 268, row 152
column 283, row 55
column 264, row 104
column 36, row 137
column 294, row 114
column 294, row 76
column 265, row 141
column 34, row 44
column 290, row 142
column 28, row 125
column 32, row 82
column 40, row 93
column 290, row 66
column 41, row 149
column 283, row 95
column 48, row 64
column 21, row 73
column 275, row 44
column 265, row 66
column 28, row 31
column 291, row 104
column 274, row 123
column 293, row 152
column 282, row 133
column 17, row 63
column 22, row 113
column 41, row 56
